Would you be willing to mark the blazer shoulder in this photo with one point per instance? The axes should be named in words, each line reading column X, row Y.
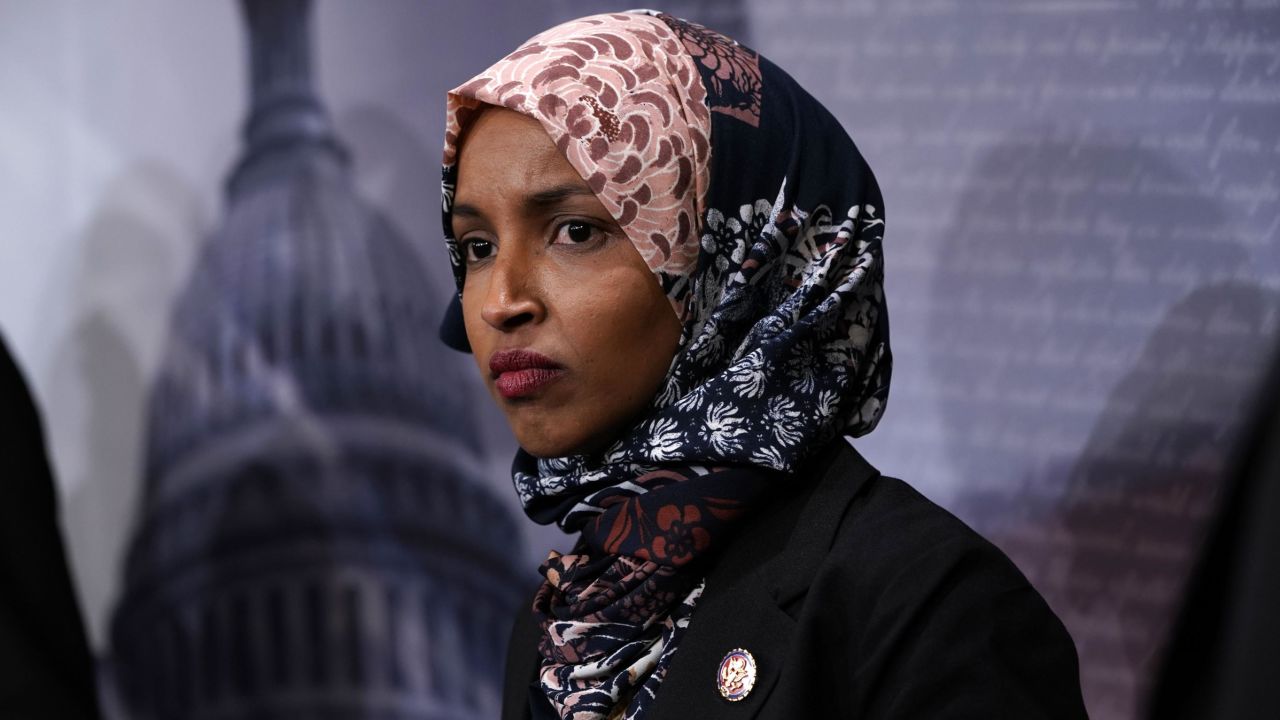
column 897, row 552
column 894, row 527
column 881, row 524
column 908, row 591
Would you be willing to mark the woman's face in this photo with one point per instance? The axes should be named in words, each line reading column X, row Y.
column 570, row 329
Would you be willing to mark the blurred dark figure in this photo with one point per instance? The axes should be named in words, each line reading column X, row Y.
column 46, row 670
column 1224, row 654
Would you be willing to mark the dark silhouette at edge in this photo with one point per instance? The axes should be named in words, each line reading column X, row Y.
column 45, row 666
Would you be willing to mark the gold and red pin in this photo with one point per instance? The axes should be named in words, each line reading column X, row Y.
column 737, row 675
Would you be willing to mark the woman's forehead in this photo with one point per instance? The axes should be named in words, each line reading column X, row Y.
column 510, row 154
column 505, row 138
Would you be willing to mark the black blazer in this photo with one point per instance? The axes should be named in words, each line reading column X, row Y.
column 858, row 598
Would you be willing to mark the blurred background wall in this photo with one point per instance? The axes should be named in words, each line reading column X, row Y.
column 1083, row 268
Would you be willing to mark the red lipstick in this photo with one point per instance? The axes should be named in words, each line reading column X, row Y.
column 521, row 373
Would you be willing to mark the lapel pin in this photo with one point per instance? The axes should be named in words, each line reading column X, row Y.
column 737, row 675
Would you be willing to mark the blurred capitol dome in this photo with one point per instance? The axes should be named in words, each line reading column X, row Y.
column 313, row 538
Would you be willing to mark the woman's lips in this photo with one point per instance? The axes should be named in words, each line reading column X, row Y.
column 521, row 373
column 523, row 383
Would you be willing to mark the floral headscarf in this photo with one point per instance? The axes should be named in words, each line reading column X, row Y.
column 763, row 225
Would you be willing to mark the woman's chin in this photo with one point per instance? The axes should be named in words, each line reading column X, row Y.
column 557, row 444
column 549, row 450
column 546, row 445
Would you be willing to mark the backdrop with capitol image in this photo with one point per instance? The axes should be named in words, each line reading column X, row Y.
column 282, row 494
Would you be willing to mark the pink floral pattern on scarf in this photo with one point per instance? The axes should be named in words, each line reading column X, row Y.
column 620, row 96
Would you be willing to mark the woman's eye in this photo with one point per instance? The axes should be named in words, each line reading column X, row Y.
column 477, row 249
column 576, row 232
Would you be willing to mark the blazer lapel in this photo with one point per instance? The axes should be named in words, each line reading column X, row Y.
column 750, row 590
column 745, row 617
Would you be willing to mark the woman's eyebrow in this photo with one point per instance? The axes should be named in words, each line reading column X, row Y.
column 553, row 196
column 466, row 210
column 534, row 202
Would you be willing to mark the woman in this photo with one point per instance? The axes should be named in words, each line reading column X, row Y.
column 735, row 557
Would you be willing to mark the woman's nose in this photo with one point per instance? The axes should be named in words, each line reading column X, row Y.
column 512, row 298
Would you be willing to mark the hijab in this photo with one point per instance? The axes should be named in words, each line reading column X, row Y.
column 763, row 225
